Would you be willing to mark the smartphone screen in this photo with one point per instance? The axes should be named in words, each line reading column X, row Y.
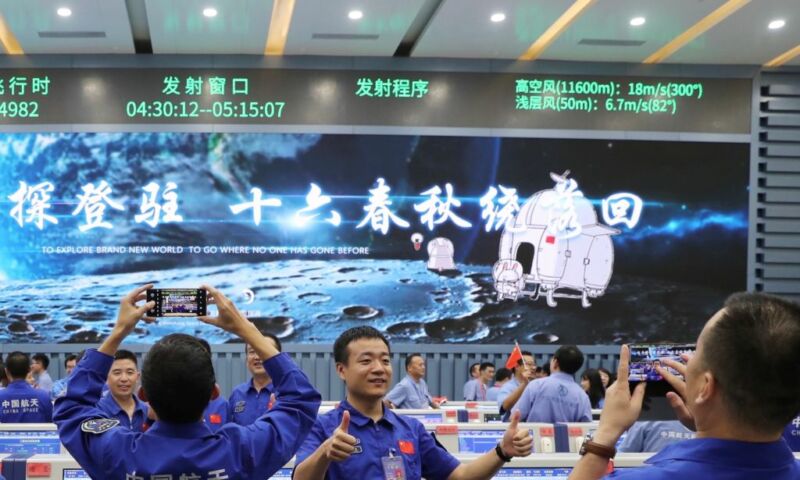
column 177, row 302
column 646, row 357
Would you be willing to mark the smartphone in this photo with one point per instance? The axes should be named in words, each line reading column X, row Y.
column 646, row 357
column 177, row 302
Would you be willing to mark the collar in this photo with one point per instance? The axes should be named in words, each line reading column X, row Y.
column 562, row 376
column 731, row 453
column 415, row 382
column 180, row 430
column 360, row 420
column 112, row 402
column 252, row 386
column 18, row 385
column 514, row 383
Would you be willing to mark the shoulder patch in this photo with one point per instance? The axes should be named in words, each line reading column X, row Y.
column 99, row 425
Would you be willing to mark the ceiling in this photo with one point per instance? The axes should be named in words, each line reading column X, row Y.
column 414, row 28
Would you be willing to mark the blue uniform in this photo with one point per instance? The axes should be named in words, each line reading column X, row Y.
column 491, row 394
column 654, row 436
column 234, row 452
column 474, row 390
column 43, row 381
column 707, row 458
column 111, row 408
column 504, row 392
column 216, row 414
column 21, row 403
column 552, row 399
column 403, row 436
column 246, row 404
column 792, row 434
column 410, row 394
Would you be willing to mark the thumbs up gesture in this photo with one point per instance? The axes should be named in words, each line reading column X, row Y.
column 517, row 442
column 341, row 444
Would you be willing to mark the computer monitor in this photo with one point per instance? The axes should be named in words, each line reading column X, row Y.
column 479, row 441
column 427, row 417
column 516, row 473
column 285, row 472
column 466, row 438
column 74, row 474
column 29, row 438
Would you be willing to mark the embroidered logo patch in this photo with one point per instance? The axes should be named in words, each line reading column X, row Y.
column 99, row 425
column 239, row 407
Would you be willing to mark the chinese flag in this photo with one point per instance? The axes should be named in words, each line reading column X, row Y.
column 406, row 446
column 516, row 356
column 215, row 418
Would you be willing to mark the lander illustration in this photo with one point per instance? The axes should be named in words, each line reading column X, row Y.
column 555, row 247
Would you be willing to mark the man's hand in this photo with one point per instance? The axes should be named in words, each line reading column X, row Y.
column 676, row 399
column 517, row 442
column 228, row 317
column 130, row 313
column 621, row 408
column 341, row 444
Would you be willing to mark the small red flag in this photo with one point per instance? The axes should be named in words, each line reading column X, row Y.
column 516, row 356
column 215, row 418
column 406, row 446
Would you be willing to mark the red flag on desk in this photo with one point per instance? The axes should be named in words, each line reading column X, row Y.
column 516, row 356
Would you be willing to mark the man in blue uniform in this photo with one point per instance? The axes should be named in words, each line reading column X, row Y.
column 476, row 389
column 253, row 398
column 653, row 436
column 740, row 391
column 509, row 393
column 41, row 379
column 412, row 391
column 20, row 402
column 361, row 438
column 557, row 398
column 60, row 385
column 121, row 403
column 178, row 379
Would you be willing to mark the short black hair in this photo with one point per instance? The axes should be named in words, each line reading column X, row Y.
column 410, row 357
column 502, row 374
column 570, row 358
column 178, row 378
column 18, row 365
column 123, row 354
column 43, row 359
column 70, row 358
column 486, row 365
column 752, row 352
column 205, row 344
column 472, row 367
column 340, row 352
column 275, row 340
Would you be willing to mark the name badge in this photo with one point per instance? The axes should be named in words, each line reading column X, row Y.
column 393, row 468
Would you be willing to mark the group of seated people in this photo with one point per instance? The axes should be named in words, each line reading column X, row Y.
column 737, row 407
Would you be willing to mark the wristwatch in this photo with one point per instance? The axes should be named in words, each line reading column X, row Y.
column 500, row 453
column 603, row 451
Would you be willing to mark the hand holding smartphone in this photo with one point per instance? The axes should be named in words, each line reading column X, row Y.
column 177, row 302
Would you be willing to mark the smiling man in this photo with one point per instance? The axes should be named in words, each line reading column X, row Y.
column 361, row 437
column 121, row 403
column 253, row 398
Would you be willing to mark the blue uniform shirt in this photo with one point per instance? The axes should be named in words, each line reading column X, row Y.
column 474, row 392
column 21, row 403
column 246, row 404
column 552, row 399
column 403, row 436
column 504, row 392
column 410, row 394
column 43, row 381
column 59, row 388
column 216, row 414
column 654, row 436
column 491, row 394
column 233, row 452
column 710, row 458
column 111, row 408
column 792, row 434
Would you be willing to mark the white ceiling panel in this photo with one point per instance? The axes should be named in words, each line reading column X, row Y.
column 95, row 26
column 604, row 30
column 322, row 27
column 463, row 29
column 743, row 38
column 178, row 26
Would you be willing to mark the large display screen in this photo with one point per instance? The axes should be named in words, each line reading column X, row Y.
column 29, row 441
column 430, row 239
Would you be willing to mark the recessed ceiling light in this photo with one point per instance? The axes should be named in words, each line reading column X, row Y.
column 355, row 15
column 776, row 24
column 637, row 21
column 498, row 17
column 64, row 12
column 210, row 12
